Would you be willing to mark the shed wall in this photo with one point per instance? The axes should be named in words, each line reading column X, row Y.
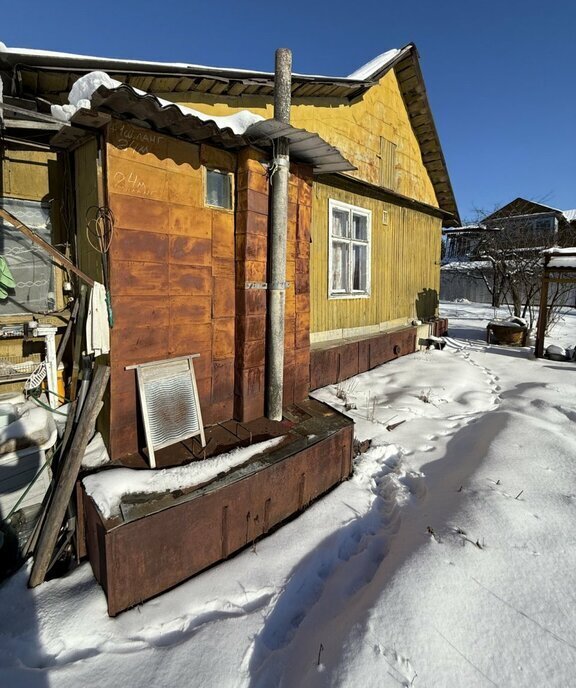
column 171, row 272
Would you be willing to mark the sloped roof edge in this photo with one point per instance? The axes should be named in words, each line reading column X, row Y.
column 527, row 206
column 405, row 63
column 413, row 90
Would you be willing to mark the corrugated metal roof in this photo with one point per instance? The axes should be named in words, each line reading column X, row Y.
column 305, row 146
column 174, row 120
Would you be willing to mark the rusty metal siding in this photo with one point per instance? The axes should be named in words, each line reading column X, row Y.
column 331, row 363
column 137, row 560
column 171, row 272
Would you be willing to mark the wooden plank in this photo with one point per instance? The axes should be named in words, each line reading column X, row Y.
column 68, row 475
column 78, row 339
column 55, row 253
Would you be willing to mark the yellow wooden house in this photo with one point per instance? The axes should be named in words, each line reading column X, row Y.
column 375, row 230
column 182, row 198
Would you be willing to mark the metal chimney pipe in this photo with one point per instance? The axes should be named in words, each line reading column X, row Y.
column 278, row 231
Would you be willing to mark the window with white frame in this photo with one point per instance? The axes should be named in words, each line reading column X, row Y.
column 349, row 258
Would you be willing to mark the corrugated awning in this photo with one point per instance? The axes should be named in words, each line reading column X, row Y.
column 171, row 119
column 305, row 146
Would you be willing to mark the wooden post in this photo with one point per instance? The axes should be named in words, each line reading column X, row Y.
column 67, row 477
column 78, row 340
column 542, row 318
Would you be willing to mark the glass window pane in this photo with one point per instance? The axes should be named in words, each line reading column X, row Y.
column 360, row 225
column 340, row 222
column 30, row 265
column 339, row 267
column 360, row 268
column 218, row 189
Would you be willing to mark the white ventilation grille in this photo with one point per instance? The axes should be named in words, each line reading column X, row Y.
column 169, row 402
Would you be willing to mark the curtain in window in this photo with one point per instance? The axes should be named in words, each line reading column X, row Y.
column 339, row 266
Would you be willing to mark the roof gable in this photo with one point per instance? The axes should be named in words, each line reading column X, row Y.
column 51, row 75
column 520, row 206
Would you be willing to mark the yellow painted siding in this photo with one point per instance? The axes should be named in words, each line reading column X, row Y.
column 25, row 174
column 86, row 184
column 355, row 129
column 404, row 265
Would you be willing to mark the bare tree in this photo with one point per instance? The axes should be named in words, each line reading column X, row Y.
column 508, row 258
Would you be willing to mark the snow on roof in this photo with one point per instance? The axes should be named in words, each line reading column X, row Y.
column 561, row 257
column 83, row 89
column 107, row 488
column 75, row 57
column 556, row 250
column 466, row 266
column 361, row 74
column 465, row 228
column 570, row 215
column 366, row 71
column 568, row 262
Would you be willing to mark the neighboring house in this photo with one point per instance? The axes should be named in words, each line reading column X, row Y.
column 182, row 194
column 518, row 230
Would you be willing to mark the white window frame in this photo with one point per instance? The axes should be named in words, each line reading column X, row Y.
column 332, row 238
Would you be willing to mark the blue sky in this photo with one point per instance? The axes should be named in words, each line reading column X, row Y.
column 500, row 75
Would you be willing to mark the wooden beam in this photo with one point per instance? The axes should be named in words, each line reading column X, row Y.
column 67, row 477
column 55, row 253
column 542, row 320
column 33, row 114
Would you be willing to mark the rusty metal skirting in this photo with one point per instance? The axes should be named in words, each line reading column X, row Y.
column 332, row 362
column 160, row 544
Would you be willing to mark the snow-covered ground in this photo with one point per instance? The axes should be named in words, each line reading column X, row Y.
column 448, row 559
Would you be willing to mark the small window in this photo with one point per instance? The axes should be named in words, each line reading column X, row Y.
column 219, row 189
column 349, row 259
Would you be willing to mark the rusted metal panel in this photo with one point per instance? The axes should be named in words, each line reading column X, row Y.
column 391, row 345
column 224, row 297
column 440, row 327
column 323, row 367
column 138, row 558
column 223, row 338
column 146, row 215
column 139, row 344
column 146, row 247
column 152, row 311
column 138, row 279
column 191, row 309
column 348, row 361
column 222, row 380
column 189, row 279
column 186, row 250
column 336, row 362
